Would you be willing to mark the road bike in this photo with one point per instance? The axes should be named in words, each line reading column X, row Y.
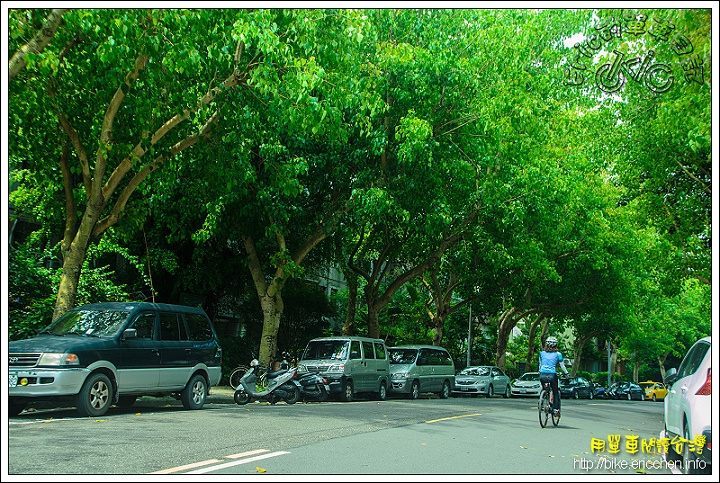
column 545, row 409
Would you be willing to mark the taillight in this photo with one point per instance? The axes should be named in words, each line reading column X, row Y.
column 705, row 389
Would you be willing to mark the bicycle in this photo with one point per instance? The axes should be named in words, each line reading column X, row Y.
column 240, row 371
column 545, row 406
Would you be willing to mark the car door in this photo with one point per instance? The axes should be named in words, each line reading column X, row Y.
column 675, row 398
column 499, row 380
column 382, row 365
column 175, row 351
column 140, row 367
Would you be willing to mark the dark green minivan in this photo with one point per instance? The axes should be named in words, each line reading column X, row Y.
column 111, row 353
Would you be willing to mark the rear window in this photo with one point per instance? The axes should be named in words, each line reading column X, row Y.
column 199, row 327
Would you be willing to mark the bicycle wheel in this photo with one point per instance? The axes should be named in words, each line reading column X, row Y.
column 543, row 407
column 235, row 376
column 555, row 417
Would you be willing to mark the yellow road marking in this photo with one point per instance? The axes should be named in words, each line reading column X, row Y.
column 453, row 417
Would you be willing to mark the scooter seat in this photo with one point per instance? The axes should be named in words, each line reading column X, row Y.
column 274, row 374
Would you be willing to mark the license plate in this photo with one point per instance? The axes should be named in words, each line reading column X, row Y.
column 523, row 391
column 463, row 388
column 13, row 380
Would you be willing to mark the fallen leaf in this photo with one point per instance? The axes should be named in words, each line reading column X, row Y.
column 99, row 420
column 260, row 470
column 523, row 447
column 138, row 414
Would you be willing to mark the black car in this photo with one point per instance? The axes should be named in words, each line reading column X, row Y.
column 576, row 388
column 111, row 353
column 627, row 390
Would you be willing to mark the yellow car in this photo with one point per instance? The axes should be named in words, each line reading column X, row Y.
column 654, row 390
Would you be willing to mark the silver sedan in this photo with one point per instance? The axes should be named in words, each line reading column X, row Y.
column 485, row 380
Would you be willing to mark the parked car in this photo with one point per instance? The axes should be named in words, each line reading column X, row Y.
column 576, row 388
column 526, row 385
column 688, row 407
column 109, row 353
column 351, row 364
column 477, row 380
column 627, row 390
column 655, row 391
column 415, row 369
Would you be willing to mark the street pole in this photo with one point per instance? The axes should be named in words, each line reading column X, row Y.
column 469, row 336
column 609, row 375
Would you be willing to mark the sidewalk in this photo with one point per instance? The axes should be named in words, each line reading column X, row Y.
column 221, row 395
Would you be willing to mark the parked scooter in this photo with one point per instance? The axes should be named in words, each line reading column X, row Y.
column 281, row 386
column 313, row 387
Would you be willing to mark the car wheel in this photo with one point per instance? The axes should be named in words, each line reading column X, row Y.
column 507, row 392
column 194, row 394
column 347, row 394
column 654, row 398
column 126, row 401
column 490, row 392
column 690, row 462
column 576, row 395
column 414, row 390
column 629, row 396
column 382, row 393
column 95, row 396
column 445, row 391
column 591, row 395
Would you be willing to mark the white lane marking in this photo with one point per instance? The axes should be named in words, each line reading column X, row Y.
column 184, row 467
column 246, row 453
column 235, row 463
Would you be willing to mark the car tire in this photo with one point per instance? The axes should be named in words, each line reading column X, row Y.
column 507, row 392
column 126, row 401
column 347, row 394
column 445, row 391
column 414, row 390
column 576, row 395
column 629, row 396
column 689, row 457
column 490, row 392
column 95, row 396
column 591, row 395
column 654, row 398
column 382, row 393
column 194, row 394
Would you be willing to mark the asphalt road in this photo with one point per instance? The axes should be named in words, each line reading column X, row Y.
column 459, row 436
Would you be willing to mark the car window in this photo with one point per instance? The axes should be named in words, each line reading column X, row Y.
column 355, row 349
column 692, row 361
column 368, row 349
column 145, row 326
column 98, row 323
column 172, row 327
column 198, row 327
column 379, row 350
column 402, row 356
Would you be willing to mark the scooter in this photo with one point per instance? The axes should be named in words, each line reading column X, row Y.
column 280, row 386
column 313, row 387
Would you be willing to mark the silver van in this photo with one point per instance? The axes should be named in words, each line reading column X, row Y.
column 421, row 368
column 351, row 365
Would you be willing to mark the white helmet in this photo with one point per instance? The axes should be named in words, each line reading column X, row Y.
column 551, row 342
column 254, row 363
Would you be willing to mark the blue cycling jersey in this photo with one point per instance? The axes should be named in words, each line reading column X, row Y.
column 549, row 362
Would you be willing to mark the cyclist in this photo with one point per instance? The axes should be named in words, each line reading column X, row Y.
column 549, row 359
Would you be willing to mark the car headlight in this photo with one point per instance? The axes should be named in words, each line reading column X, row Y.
column 59, row 359
column 399, row 375
column 336, row 368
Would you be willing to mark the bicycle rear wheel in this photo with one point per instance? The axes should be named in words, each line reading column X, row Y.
column 543, row 407
column 235, row 376
column 555, row 417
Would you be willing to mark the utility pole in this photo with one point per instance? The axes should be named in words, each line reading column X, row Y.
column 609, row 368
column 469, row 336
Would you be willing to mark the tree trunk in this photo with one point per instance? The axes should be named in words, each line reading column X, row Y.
column 661, row 363
column 636, row 371
column 531, row 341
column 506, row 322
column 272, row 307
column 352, row 281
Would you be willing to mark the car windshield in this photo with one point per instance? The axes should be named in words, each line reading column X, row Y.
column 97, row 323
column 475, row 371
column 530, row 376
column 402, row 356
column 646, row 386
column 326, row 350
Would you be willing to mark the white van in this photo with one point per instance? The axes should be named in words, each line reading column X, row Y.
column 351, row 365
column 421, row 368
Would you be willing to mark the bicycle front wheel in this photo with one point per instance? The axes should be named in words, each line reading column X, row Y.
column 543, row 407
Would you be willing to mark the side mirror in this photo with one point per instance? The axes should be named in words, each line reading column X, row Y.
column 129, row 334
column 670, row 377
